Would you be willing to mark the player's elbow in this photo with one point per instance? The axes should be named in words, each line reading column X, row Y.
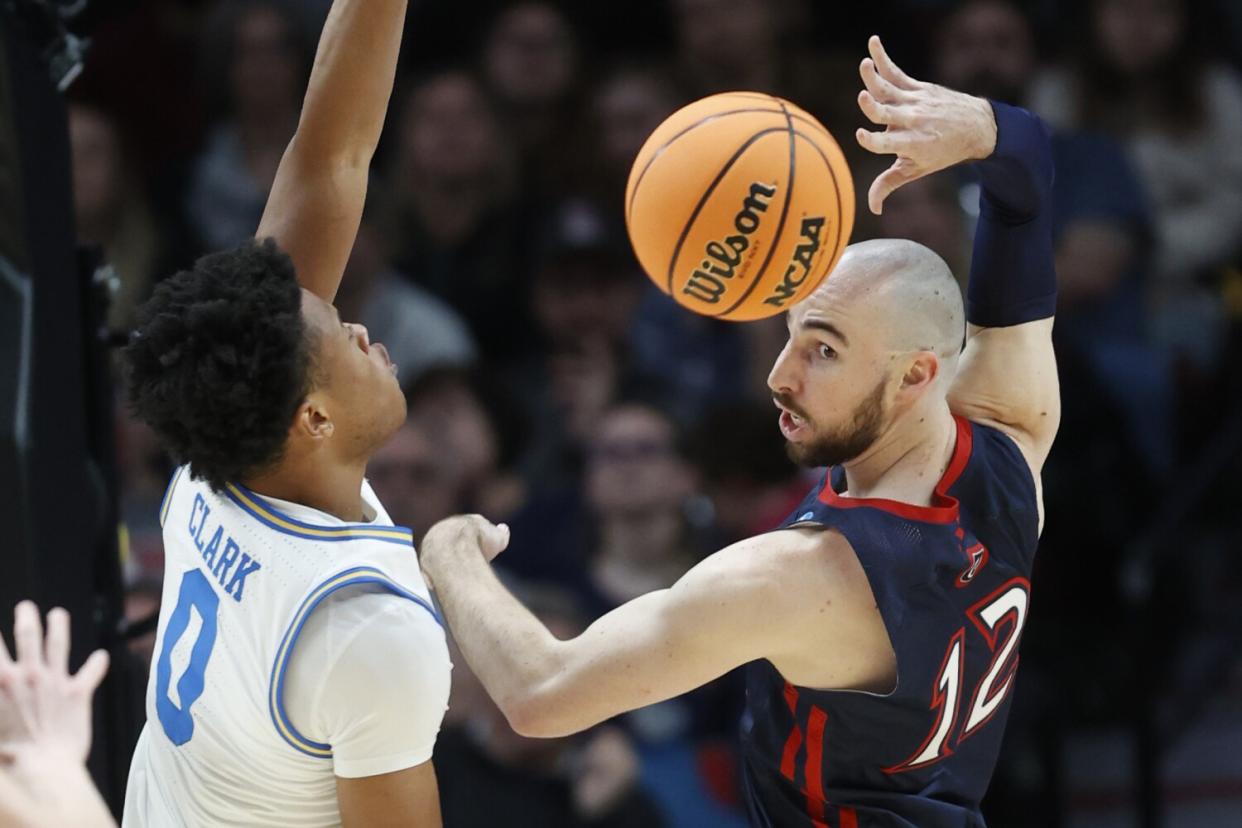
column 537, row 715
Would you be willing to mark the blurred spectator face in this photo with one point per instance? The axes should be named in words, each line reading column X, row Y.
column 530, row 57
column 412, row 478
column 633, row 467
column 1139, row 35
column 725, row 32
column 264, row 75
column 461, row 427
column 985, row 48
column 629, row 107
column 449, row 130
column 97, row 167
column 583, row 297
column 926, row 211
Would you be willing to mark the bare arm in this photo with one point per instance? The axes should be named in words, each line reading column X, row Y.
column 1007, row 376
column 401, row 798
column 315, row 205
column 797, row 598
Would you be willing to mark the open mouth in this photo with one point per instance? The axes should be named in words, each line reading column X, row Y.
column 792, row 425
column 383, row 352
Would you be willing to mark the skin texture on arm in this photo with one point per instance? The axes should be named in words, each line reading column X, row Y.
column 404, row 797
column 1007, row 376
column 45, row 727
column 798, row 598
column 316, row 202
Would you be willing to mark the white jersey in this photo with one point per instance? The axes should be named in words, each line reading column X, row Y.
column 241, row 581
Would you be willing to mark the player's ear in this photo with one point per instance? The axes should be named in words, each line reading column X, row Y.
column 312, row 420
column 921, row 371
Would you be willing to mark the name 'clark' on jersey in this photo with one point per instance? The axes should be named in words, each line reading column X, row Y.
column 951, row 581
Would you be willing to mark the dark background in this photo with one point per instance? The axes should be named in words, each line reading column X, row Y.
column 552, row 387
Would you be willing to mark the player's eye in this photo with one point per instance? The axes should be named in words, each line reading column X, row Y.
column 827, row 352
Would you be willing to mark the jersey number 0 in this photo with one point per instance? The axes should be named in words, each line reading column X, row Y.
column 198, row 595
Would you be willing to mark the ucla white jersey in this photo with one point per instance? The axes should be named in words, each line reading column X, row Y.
column 241, row 578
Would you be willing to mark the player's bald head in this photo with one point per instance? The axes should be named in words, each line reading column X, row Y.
column 900, row 291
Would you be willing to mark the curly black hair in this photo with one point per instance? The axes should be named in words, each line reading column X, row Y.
column 221, row 360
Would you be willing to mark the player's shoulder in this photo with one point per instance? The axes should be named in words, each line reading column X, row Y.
column 794, row 561
column 999, row 463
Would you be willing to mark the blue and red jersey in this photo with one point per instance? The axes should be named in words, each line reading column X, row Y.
column 952, row 583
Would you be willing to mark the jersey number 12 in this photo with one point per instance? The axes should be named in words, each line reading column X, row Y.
column 1006, row 607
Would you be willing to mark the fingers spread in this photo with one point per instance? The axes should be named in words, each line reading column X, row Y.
column 58, row 641
column 27, row 634
column 879, row 86
column 885, row 66
column 92, row 672
column 881, row 113
column 884, row 143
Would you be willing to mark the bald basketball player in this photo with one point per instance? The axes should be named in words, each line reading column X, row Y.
column 880, row 624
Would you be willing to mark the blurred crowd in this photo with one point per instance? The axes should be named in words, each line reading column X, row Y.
column 552, row 386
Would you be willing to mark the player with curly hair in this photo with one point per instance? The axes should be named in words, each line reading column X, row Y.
column 301, row 672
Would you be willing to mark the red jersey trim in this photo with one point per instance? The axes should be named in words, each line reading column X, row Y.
column 943, row 508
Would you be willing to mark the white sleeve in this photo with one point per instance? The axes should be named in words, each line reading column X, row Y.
column 369, row 676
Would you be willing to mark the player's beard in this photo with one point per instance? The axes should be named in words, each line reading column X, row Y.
column 847, row 442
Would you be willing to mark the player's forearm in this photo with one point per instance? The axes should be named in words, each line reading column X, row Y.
column 351, row 83
column 60, row 789
column 1017, row 176
column 507, row 647
column 1012, row 272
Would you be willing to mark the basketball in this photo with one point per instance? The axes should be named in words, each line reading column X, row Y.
column 739, row 205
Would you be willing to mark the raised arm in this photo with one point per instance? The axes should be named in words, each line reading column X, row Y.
column 1007, row 376
column 798, row 598
column 315, row 205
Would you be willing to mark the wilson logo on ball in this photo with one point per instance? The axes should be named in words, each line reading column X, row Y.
column 723, row 257
column 739, row 205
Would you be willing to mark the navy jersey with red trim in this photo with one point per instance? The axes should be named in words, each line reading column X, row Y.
column 952, row 584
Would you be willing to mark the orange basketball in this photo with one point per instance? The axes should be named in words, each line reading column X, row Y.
column 739, row 205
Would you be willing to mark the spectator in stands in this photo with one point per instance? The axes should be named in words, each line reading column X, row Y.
column 1147, row 76
column 530, row 66
column 255, row 53
column 477, row 431
column 739, row 454
column 759, row 46
column 419, row 330
column 627, row 105
column 638, row 485
column 1101, row 228
column 487, row 772
column 111, row 210
column 645, row 532
column 417, row 478
column 459, row 231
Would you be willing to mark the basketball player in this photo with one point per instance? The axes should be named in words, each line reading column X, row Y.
column 880, row 624
column 300, row 671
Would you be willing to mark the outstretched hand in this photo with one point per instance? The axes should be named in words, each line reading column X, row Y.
column 928, row 127
column 43, row 709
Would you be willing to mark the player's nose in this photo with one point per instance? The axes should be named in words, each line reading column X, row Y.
column 361, row 333
column 781, row 377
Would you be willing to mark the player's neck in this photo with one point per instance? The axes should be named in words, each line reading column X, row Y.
column 907, row 461
column 333, row 489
